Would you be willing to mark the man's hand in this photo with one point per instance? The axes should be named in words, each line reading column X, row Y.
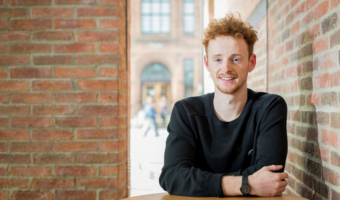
column 266, row 182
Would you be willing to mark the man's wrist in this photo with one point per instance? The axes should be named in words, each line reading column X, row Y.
column 251, row 184
column 231, row 185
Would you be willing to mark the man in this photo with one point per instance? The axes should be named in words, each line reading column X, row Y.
column 233, row 141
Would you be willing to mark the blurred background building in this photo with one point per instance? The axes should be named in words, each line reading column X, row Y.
column 166, row 50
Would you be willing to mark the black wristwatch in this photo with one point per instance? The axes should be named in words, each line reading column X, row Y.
column 245, row 188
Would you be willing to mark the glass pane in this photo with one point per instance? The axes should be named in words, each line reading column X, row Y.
column 165, row 7
column 189, row 8
column 146, row 24
column 156, row 24
column 156, row 8
column 189, row 24
column 146, row 8
column 165, row 24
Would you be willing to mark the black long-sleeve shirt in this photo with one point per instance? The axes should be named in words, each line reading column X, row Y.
column 201, row 148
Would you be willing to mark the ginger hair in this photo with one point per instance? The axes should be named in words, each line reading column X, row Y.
column 233, row 26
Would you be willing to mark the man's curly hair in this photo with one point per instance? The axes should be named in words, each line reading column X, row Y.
column 230, row 25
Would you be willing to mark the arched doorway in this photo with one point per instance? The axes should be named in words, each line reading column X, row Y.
column 155, row 82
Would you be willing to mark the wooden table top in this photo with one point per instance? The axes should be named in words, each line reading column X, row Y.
column 165, row 196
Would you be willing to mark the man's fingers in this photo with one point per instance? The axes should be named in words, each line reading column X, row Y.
column 273, row 167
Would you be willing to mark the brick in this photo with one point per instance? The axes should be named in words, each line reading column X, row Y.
column 14, row 60
column 52, row 12
column 76, row 121
column 3, row 24
column 31, row 147
column 75, row 2
column 325, row 154
column 53, row 36
column 74, row 24
column 74, row 146
column 96, row 158
column 320, row 45
column 335, row 195
column 108, row 72
column 98, row 36
column 52, row 134
column 334, row 79
column 328, row 60
column 30, row 73
column 3, row 148
column 108, row 170
column 323, row 118
column 15, row 134
column 29, row 2
column 97, row 133
column 74, row 73
column 76, row 171
column 335, row 39
column 108, row 121
column 53, row 110
column 53, row 60
column 14, row 110
column 52, row 183
column 97, row 85
column 108, row 48
column 31, row 98
column 330, row 137
column 31, row 48
column 31, row 194
column 75, row 97
column 33, row 122
column 4, row 98
column 53, row 159
column 97, row 12
column 13, row 12
column 31, row 171
column 76, row 194
column 74, row 48
column 295, row 28
column 329, row 23
column 109, row 2
column 31, row 24
column 4, row 48
column 335, row 118
column 334, row 3
column 335, row 159
column 3, row 73
column 4, row 122
column 4, row 194
column 52, row 85
column 15, row 159
column 321, row 9
column 322, row 81
column 3, row 2
column 97, row 110
column 97, row 183
column 109, row 146
column 14, row 183
column 109, row 23
column 329, row 98
column 96, row 59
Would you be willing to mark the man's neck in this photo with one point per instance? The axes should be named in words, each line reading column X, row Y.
column 228, row 107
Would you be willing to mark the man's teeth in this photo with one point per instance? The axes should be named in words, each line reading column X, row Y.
column 227, row 79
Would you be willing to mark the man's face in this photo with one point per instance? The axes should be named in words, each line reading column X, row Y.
column 228, row 63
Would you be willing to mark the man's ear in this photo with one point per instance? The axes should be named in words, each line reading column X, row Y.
column 252, row 62
column 206, row 62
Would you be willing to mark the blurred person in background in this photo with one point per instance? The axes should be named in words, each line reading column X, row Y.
column 150, row 117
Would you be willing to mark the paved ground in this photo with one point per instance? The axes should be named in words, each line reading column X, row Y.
column 146, row 155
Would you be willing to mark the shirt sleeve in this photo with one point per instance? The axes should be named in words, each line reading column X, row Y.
column 180, row 176
column 271, row 143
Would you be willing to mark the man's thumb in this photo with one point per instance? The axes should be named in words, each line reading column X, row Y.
column 274, row 167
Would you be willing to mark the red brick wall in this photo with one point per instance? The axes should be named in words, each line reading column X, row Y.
column 304, row 38
column 63, row 99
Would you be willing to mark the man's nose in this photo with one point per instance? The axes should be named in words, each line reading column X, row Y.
column 228, row 66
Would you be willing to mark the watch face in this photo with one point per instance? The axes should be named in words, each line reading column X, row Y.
column 245, row 189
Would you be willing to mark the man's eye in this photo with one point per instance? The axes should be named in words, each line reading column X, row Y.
column 218, row 59
column 235, row 60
